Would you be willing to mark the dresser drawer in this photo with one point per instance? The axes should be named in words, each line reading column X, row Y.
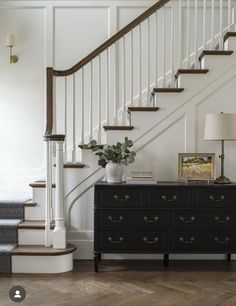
column 131, row 219
column 123, row 241
column 120, row 197
column 216, row 197
column 169, row 198
column 203, row 241
column 215, row 219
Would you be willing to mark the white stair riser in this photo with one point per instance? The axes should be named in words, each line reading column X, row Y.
column 32, row 236
column 42, row 264
column 218, row 63
column 230, row 44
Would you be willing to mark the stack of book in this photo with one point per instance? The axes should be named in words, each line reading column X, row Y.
column 141, row 178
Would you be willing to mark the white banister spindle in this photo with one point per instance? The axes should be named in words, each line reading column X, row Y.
column 99, row 100
column 59, row 233
column 91, row 103
column 229, row 15
column 140, row 66
column 204, row 25
column 124, row 82
column 108, row 89
column 48, row 198
column 164, row 46
column 65, row 120
column 172, row 44
column 196, row 62
column 131, row 68
column 212, row 24
column 148, row 62
column 188, row 34
column 116, row 81
column 73, row 124
column 156, row 51
column 180, row 34
column 221, row 26
column 82, row 106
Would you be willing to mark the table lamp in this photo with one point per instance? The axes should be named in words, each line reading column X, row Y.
column 221, row 127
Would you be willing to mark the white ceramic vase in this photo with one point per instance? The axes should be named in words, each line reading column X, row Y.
column 114, row 172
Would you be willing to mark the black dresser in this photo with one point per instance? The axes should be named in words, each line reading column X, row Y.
column 169, row 217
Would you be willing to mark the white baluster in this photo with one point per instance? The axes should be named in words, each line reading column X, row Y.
column 73, row 124
column 91, row 103
column 180, row 34
column 82, row 106
column 116, row 82
column 131, row 69
column 99, row 100
column 172, row 45
column 148, row 62
column 48, row 197
column 212, row 24
column 156, row 51
column 59, row 233
column 229, row 15
column 204, row 25
column 164, row 47
column 140, row 65
column 108, row 88
column 124, row 82
column 188, row 35
column 65, row 119
column 196, row 61
column 221, row 26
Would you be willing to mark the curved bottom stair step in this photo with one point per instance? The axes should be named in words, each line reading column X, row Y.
column 34, row 224
column 39, row 259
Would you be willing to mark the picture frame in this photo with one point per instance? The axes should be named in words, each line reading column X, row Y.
column 196, row 166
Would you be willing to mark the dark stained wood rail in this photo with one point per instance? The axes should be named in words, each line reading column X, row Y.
column 60, row 73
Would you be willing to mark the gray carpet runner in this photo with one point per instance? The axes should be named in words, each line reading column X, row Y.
column 11, row 214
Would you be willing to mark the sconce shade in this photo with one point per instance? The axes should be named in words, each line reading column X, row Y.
column 220, row 126
column 10, row 40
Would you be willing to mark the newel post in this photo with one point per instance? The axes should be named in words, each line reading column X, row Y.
column 59, row 233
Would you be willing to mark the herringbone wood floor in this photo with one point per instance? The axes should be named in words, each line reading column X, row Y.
column 137, row 283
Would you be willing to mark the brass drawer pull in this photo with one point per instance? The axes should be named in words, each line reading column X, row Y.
column 217, row 219
column 120, row 240
column 149, row 220
column 212, row 198
column 191, row 240
column 217, row 239
column 164, row 198
column 191, row 220
column 155, row 241
column 120, row 219
column 125, row 198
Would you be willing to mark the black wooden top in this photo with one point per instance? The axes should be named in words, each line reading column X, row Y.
column 179, row 184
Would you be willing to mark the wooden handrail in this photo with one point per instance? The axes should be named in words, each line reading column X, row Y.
column 59, row 73
column 112, row 40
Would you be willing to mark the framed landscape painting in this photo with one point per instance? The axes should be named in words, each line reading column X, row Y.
column 196, row 166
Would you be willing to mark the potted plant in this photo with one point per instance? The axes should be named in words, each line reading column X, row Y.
column 113, row 158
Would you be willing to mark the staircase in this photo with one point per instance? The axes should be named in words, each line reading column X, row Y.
column 135, row 84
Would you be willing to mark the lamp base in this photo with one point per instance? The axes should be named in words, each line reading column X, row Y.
column 222, row 180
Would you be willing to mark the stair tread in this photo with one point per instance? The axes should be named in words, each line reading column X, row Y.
column 40, row 250
column 143, row 109
column 30, row 203
column 172, row 90
column 118, row 128
column 74, row 165
column 40, row 185
column 33, row 224
column 229, row 34
column 215, row 52
column 191, row 71
column 99, row 146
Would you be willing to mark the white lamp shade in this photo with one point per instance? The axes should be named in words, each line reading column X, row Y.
column 10, row 40
column 220, row 126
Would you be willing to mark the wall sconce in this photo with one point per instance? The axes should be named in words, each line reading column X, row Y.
column 10, row 42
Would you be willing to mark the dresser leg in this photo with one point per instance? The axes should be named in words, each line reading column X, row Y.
column 228, row 256
column 166, row 260
column 99, row 256
column 96, row 261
